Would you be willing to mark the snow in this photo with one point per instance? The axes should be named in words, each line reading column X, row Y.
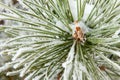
column 73, row 8
column 88, row 9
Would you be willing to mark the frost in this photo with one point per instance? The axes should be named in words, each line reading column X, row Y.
column 30, row 58
column 21, row 51
column 88, row 9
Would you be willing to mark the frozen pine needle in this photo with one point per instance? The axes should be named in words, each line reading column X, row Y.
column 62, row 39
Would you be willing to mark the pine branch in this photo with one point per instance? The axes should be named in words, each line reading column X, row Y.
column 62, row 39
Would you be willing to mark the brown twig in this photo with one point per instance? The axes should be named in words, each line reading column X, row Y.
column 14, row 2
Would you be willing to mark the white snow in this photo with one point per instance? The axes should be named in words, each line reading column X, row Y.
column 73, row 8
column 88, row 9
